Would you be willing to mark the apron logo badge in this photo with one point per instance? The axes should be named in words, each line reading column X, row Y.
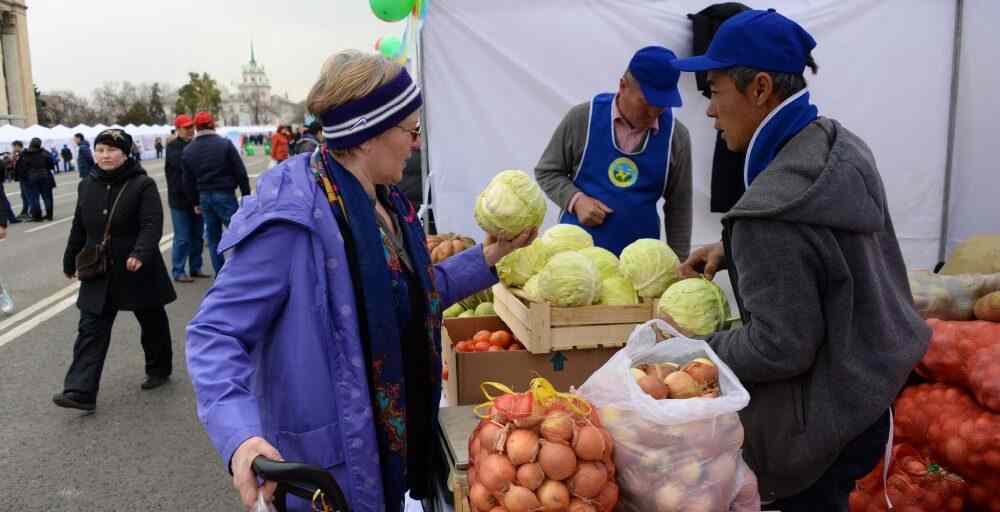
column 623, row 172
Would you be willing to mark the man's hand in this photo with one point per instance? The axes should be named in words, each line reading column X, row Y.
column 589, row 211
column 197, row 210
column 241, row 465
column 494, row 248
column 133, row 264
column 3, row 232
column 705, row 260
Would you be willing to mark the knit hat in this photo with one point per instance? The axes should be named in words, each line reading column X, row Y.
column 116, row 138
column 352, row 123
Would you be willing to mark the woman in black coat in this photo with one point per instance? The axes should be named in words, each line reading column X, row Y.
column 136, row 279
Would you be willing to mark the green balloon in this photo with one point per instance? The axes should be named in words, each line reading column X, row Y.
column 390, row 47
column 391, row 10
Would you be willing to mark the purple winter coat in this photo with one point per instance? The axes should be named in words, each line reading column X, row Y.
column 274, row 349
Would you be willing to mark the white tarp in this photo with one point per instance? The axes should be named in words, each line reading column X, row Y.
column 498, row 77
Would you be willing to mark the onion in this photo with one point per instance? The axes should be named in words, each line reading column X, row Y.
column 661, row 370
column 496, row 472
column 519, row 499
column 474, row 446
column 711, row 393
column 558, row 460
column 609, row 443
column 689, row 474
column 481, row 498
column 608, row 497
column 534, row 418
column 654, row 387
column 589, row 479
column 554, row 496
column 530, row 476
column 522, row 447
column 488, row 435
column 670, row 497
column 558, row 427
column 471, row 475
column 703, row 371
column 588, row 443
column 682, row 385
column 723, row 468
column 578, row 505
column 637, row 373
column 498, row 508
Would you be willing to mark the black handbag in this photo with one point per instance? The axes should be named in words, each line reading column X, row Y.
column 94, row 262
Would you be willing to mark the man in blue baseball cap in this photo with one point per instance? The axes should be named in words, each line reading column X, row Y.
column 611, row 159
column 829, row 332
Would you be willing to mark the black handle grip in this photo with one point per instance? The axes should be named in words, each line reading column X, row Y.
column 302, row 480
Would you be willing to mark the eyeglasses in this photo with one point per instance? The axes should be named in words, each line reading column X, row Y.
column 414, row 133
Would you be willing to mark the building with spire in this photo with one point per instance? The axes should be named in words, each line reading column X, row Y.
column 251, row 102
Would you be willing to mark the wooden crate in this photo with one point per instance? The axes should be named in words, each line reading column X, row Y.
column 544, row 328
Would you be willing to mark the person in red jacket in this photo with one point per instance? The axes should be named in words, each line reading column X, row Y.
column 279, row 144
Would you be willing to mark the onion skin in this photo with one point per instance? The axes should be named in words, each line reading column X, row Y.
column 703, row 371
column 578, row 505
column 589, row 479
column 520, row 499
column 588, row 443
column 682, row 385
column 481, row 498
column 637, row 373
column 553, row 495
column 496, row 472
column 530, row 476
column 522, row 446
column 654, row 387
column 488, row 435
column 558, row 427
column 557, row 460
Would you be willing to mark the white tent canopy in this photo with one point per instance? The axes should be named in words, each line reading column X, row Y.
column 146, row 135
column 497, row 81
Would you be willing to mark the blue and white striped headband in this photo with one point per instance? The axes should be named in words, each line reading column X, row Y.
column 352, row 123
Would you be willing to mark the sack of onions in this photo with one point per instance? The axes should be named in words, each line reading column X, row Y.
column 540, row 450
column 676, row 427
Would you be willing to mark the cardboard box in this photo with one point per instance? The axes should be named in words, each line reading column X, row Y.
column 515, row 369
column 544, row 328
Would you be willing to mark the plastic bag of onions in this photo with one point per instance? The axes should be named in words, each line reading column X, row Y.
column 540, row 450
column 673, row 454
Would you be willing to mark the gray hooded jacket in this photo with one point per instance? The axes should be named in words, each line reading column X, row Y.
column 830, row 332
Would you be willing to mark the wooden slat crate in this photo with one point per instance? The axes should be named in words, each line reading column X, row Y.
column 544, row 328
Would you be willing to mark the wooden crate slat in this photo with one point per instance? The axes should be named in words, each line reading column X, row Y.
column 600, row 315
column 590, row 336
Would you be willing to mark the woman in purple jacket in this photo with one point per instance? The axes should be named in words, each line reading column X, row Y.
column 320, row 340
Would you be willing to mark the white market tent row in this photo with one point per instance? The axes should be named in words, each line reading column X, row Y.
column 497, row 79
column 59, row 135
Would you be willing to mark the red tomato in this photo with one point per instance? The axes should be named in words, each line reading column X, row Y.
column 515, row 347
column 482, row 336
column 482, row 346
column 463, row 346
column 501, row 339
column 494, row 348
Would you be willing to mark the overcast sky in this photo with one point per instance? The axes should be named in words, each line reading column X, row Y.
column 80, row 44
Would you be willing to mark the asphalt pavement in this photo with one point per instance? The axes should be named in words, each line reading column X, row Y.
column 141, row 450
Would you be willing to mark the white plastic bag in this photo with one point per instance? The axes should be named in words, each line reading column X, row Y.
column 263, row 505
column 673, row 455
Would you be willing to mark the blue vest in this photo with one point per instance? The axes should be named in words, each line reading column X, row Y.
column 629, row 183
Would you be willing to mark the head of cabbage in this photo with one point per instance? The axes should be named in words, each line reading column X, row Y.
column 605, row 260
column 510, row 204
column 566, row 237
column 651, row 265
column 517, row 267
column 569, row 279
column 617, row 290
column 531, row 290
column 696, row 304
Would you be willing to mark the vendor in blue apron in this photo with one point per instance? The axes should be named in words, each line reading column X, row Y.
column 613, row 158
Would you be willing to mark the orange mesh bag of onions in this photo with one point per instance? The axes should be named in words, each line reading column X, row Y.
column 914, row 484
column 678, row 450
column 966, row 354
column 540, row 450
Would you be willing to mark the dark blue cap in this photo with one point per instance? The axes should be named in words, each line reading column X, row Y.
column 653, row 67
column 763, row 40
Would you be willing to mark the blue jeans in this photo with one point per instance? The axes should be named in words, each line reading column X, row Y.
column 28, row 197
column 217, row 207
column 189, row 241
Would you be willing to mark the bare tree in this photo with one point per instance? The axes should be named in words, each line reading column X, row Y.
column 68, row 109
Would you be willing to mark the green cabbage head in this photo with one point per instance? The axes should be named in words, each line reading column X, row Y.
column 517, row 267
column 651, row 265
column 566, row 237
column 617, row 290
column 606, row 261
column 696, row 304
column 531, row 289
column 570, row 279
column 510, row 204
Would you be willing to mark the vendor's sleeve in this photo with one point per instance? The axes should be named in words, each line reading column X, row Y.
column 562, row 156
column 779, row 276
column 236, row 316
column 462, row 275
column 677, row 204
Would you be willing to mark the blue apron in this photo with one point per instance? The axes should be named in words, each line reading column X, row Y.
column 629, row 183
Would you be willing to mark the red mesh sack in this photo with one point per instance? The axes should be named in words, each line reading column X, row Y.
column 914, row 484
column 965, row 354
